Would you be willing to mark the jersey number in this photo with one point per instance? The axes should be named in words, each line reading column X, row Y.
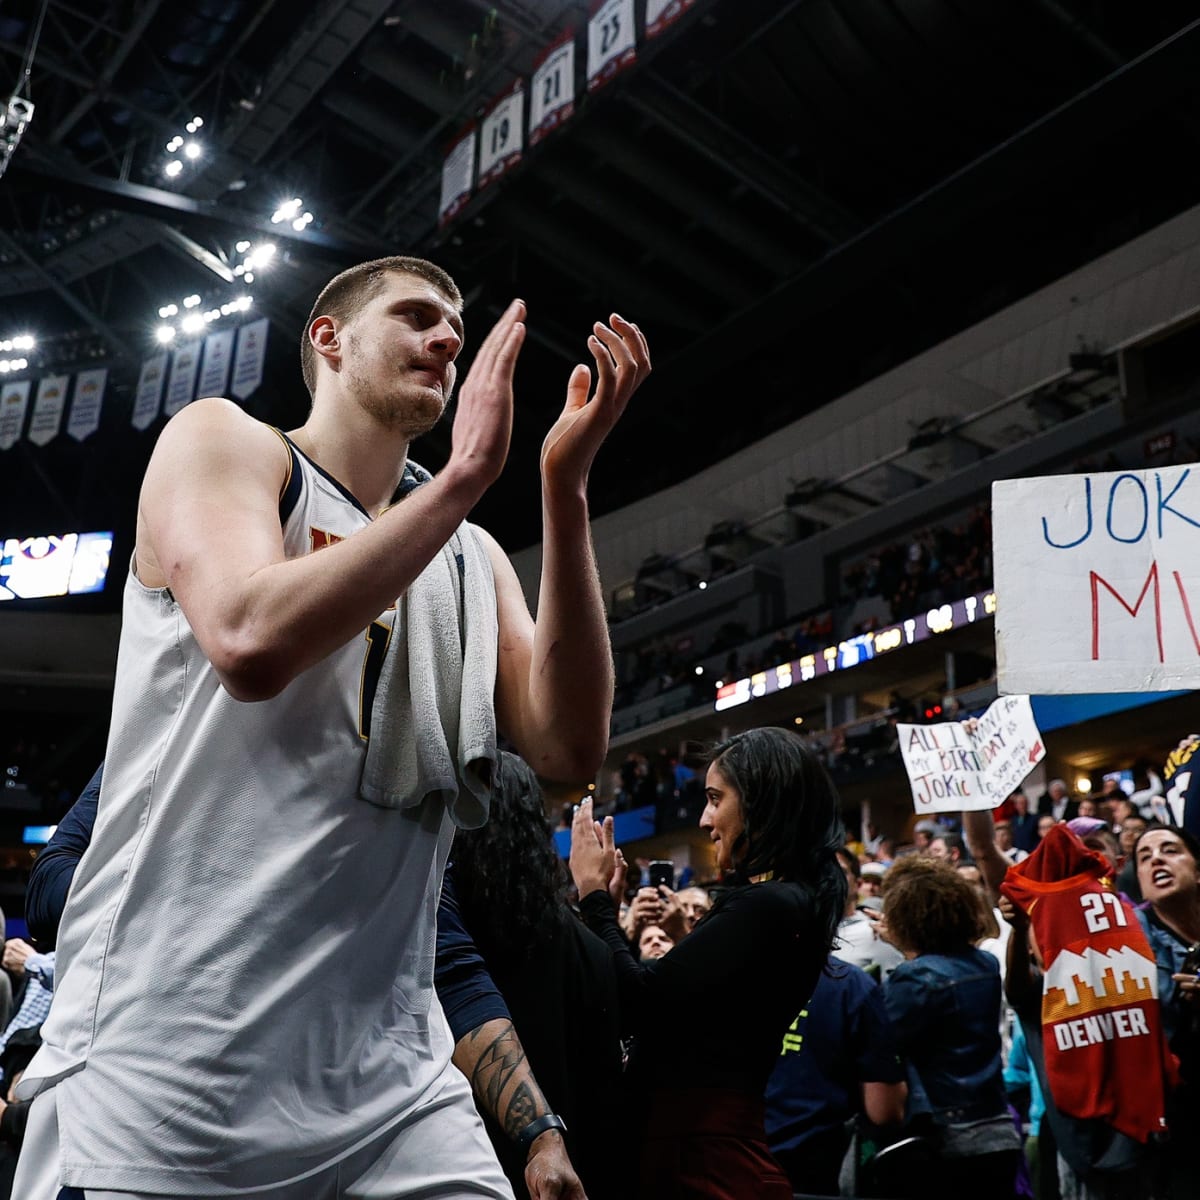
column 378, row 637
column 1093, row 910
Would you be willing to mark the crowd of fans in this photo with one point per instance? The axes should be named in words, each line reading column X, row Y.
column 935, row 565
column 928, row 1061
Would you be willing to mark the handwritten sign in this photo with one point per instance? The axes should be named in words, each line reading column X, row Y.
column 1098, row 581
column 953, row 770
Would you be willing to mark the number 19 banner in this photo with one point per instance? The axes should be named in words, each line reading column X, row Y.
column 501, row 135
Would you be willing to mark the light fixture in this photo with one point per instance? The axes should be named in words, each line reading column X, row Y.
column 23, row 341
column 1083, row 785
column 172, row 168
column 287, row 211
column 192, row 150
column 242, row 246
column 192, row 324
column 799, row 720
column 191, row 301
column 164, row 333
column 699, row 670
column 702, row 585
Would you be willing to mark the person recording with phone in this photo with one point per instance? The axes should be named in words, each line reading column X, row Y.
column 772, row 815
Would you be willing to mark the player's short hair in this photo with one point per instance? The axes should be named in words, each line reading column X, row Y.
column 347, row 294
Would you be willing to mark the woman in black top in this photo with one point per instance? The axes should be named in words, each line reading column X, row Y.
column 708, row 1018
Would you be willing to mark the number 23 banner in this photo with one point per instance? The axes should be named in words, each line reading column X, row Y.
column 501, row 135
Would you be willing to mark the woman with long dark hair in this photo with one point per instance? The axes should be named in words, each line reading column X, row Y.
column 708, row 1019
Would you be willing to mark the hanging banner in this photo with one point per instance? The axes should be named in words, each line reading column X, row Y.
column 14, row 398
column 149, row 391
column 214, row 375
column 552, row 89
column 956, row 766
column 1098, row 581
column 86, row 403
column 249, row 359
column 181, row 387
column 501, row 135
column 661, row 13
column 458, row 173
column 48, row 409
column 611, row 42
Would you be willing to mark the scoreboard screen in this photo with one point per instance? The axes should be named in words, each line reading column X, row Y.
column 66, row 564
column 858, row 649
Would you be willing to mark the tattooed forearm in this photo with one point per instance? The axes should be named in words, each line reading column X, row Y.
column 495, row 1066
column 522, row 1109
column 493, row 1059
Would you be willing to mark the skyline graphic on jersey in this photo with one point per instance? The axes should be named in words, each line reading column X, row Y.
column 1097, row 980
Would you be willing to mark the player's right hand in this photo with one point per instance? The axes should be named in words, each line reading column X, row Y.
column 483, row 420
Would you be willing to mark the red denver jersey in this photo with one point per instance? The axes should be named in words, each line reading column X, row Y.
column 1105, row 1051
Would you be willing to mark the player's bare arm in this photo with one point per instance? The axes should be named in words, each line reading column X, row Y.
column 208, row 528
column 555, row 678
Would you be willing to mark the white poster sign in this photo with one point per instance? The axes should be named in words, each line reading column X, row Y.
column 661, row 13
column 149, row 391
column 552, row 89
column 611, row 41
column 952, row 769
column 1098, row 581
column 502, row 136
column 181, row 385
column 458, row 174
column 87, row 402
column 214, row 374
column 48, row 409
column 249, row 359
column 14, row 399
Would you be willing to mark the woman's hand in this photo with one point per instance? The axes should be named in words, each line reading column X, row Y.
column 672, row 920
column 616, row 884
column 593, row 851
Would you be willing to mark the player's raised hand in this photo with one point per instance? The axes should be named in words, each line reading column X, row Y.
column 483, row 421
column 622, row 363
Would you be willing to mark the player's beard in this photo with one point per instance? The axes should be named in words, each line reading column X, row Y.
column 407, row 407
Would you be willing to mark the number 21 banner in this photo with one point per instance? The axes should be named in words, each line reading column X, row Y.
column 501, row 135
column 552, row 89
column 611, row 41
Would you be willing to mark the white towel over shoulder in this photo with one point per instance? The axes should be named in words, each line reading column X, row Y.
column 433, row 724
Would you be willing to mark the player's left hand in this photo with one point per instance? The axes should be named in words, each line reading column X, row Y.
column 622, row 363
column 548, row 1171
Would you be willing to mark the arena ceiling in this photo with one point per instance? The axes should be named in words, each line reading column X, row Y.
column 790, row 196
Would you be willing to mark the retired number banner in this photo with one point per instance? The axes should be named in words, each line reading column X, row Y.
column 552, row 89
column 458, row 174
column 611, row 41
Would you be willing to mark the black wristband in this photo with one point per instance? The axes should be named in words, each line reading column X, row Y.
column 539, row 1126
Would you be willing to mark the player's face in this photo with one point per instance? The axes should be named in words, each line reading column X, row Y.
column 1165, row 866
column 722, row 816
column 399, row 353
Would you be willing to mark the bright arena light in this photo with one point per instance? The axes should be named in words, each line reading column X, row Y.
column 287, row 211
column 192, row 324
column 172, row 168
column 192, row 150
column 191, row 301
column 242, row 246
column 164, row 333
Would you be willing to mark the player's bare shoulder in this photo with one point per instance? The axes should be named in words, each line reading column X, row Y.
column 211, row 459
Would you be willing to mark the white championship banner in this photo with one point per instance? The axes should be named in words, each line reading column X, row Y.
column 148, row 396
column 552, row 89
column 14, row 399
column 86, row 403
column 502, row 136
column 458, row 175
column 181, row 385
column 214, row 374
column 250, row 358
column 611, row 41
column 953, row 770
column 48, row 409
column 1098, row 581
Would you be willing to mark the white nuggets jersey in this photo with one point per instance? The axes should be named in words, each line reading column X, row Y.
column 245, row 964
